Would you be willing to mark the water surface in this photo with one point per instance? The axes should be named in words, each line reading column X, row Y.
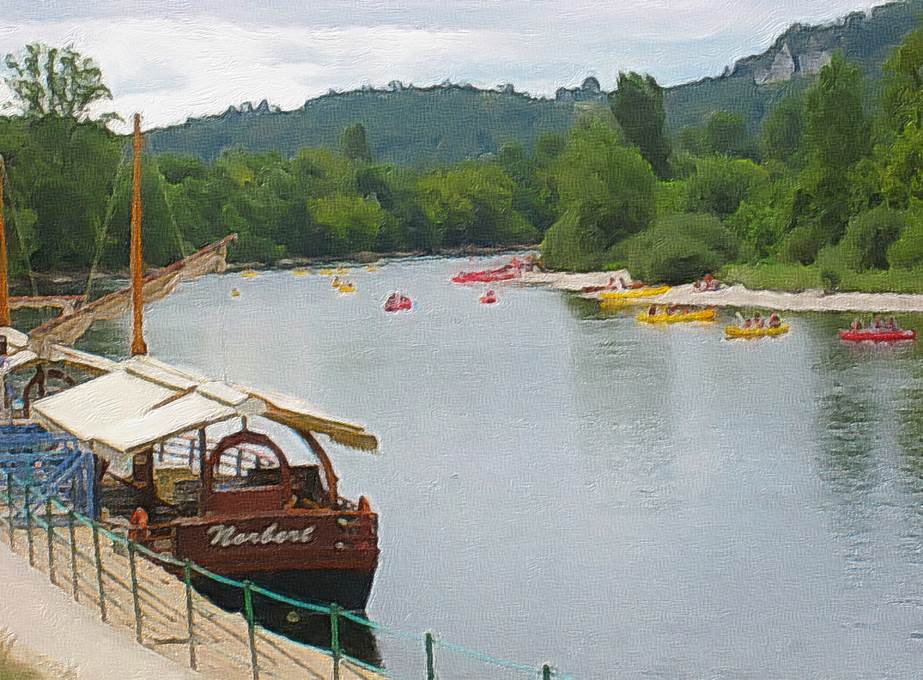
column 620, row 500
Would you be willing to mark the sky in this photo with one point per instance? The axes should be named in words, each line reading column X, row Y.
column 172, row 59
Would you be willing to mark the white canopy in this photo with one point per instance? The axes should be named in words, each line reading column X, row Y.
column 144, row 401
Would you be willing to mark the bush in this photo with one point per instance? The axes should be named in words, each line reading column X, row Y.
column 830, row 278
column 678, row 248
column 907, row 251
column 573, row 243
column 868, row 237
column 802, row 244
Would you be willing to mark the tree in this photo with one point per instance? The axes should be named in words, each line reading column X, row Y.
column 868, row 237
column 637, row 104
column 783, row 131
column 837, row 129
column 726, row 134
column 52, row 81
column 354, row 144
column 837, row 137
column 606, row 193
column 903, row 97
column 720, row 184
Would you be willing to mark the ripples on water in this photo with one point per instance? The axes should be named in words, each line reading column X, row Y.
column 624, row 501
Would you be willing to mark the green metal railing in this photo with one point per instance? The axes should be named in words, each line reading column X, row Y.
column 429, row 644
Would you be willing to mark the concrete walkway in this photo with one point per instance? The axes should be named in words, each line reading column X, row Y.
column 45, row 618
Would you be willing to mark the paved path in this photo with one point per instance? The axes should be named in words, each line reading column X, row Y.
column 44, row 618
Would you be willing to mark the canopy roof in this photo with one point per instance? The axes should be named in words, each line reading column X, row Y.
column 143, row 401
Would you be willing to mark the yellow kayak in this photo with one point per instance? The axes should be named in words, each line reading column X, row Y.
column 326, row 272
column 235, row 292
column 646, row 292
column 371, row 268
column 300, row 271
column 249, row 274
column 701, row 315
column 342, row 270
column 347, row 288
column 738, row 332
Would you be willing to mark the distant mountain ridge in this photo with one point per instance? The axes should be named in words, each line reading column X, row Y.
column 447, row 123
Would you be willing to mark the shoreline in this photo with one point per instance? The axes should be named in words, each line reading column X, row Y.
column 739, row 296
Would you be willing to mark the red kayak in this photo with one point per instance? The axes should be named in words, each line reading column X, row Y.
column 488, row 298
column 504, row 273
column 878, row 335
column 398, row 304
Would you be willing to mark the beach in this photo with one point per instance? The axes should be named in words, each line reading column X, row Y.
column 740, row 296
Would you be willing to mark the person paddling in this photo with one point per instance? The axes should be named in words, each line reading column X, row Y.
column 774, row 320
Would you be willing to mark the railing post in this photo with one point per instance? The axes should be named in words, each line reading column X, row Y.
column 50, row 534
column 430, row 660
column 72, row 535
column 251, row 628
column 335, row 639
column 9, row 507
column 133, row 570
column 546, row 672
column 99, row 573
column 31, row 538
column 187, row 577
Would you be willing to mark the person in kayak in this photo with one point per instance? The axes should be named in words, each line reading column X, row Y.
column 652, row 310
column 774, row 320
column 758, row 320
column 892, row 325
column 856, row 324
column 877, row 322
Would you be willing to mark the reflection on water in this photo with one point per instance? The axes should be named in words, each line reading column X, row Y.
column 562, row 485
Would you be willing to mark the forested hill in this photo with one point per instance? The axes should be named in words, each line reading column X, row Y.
column 754, row 84
column 428, row 126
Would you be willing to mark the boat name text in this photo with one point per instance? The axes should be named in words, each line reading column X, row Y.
column 225, row 536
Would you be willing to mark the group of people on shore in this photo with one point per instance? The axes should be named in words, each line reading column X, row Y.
column 757, row 321
column 877, row 324
column 708, row 283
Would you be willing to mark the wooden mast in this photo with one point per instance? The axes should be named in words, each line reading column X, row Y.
column 4, row 276
column 137, row 298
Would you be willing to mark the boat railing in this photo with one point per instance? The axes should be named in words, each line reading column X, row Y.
column 110, row 575
column 184, row 450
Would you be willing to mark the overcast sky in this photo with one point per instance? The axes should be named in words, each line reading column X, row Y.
column 170, row 59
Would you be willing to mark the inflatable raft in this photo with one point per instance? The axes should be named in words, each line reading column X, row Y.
column 765, row 332
column 677, row 317
column 878, row 335
column 646, row 292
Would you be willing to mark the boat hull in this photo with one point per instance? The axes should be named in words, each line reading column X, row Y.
column 878, row 336
column 350, row 589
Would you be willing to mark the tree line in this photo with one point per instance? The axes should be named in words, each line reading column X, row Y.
column 832, row 180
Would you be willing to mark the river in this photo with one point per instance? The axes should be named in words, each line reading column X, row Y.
column 619, row 500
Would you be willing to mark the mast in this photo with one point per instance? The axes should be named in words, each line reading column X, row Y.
column 4, row 277
column 137, row 298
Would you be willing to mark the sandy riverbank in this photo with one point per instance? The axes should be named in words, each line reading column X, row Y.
column 739, row 296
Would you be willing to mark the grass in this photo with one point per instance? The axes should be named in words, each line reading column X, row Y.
column 797, row 277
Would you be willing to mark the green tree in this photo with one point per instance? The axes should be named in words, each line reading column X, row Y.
column 53, row 81
column 903, row 96
column 719, row 184
column 726, row 134
column 352, row 222
column 354, row 143
column 637, row 105
column 869, row 236
column 783, row 131
column 837, row 136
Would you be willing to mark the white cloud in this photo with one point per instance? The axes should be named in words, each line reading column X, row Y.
column 170, row 61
